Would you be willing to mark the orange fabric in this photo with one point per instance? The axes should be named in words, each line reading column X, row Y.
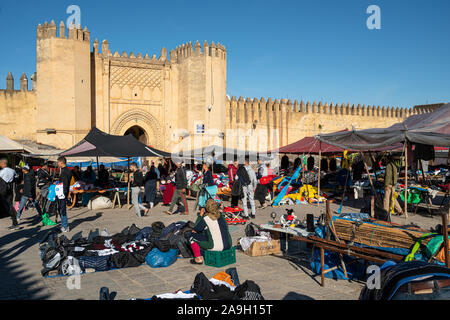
column 225, row 277
column 441, row 255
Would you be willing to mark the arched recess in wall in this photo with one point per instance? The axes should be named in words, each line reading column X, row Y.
column 142, row 119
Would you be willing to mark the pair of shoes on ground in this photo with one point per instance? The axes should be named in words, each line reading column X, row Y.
column 192, row 261
column 64, row 230
column 249, row 217
column 143, row 213
column 14, row 227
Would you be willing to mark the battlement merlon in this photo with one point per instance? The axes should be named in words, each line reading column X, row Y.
column 181, row 53
column 286, row 105
column 187, row 50
column 49, row 30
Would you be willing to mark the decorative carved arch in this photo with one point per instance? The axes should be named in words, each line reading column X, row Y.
column 143, row 119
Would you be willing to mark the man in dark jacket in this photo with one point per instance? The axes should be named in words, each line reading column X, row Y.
column 7, row 177
column 43, row 176
column 136, row 184
column 29, row 192
column 180, row 188
column 64, row 177
column 43, row 181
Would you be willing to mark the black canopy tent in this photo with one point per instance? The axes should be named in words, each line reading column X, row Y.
column 100, row 144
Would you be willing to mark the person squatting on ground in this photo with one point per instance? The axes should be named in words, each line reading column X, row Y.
column 180, row 189
column 7, row 176
column 136, row 184
column 64, row 177
column 210, row 232
column 29, row 193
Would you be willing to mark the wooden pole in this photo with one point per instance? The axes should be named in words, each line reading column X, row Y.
column 318, row 182
column 370, row 180
column 406, row 179
column 372, row 206
column 445, row 234
column 322, row 266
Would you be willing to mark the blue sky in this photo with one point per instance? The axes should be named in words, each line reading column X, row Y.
column 310, row 50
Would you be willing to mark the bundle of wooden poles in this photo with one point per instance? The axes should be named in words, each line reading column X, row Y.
column 377, row 235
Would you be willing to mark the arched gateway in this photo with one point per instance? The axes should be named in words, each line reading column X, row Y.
column 142, row 125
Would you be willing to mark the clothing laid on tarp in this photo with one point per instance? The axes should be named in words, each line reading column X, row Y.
column 129, row 248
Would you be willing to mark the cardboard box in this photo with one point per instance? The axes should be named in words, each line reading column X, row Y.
column 264, row 248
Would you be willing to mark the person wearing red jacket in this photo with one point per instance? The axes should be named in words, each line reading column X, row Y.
column 232, row 170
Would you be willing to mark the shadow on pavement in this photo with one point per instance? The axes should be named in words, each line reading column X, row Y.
column 18, row 279
column 296, row 296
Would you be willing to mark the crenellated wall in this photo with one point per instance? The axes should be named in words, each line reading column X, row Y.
column 278, row 123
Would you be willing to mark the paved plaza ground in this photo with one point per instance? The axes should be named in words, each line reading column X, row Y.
column 278, row 278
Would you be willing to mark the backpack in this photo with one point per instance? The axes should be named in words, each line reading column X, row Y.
column 249, row 290
column 252, row 230
column 5, row 188
column 244, row 178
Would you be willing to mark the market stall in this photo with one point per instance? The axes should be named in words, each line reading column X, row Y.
column 430, row 129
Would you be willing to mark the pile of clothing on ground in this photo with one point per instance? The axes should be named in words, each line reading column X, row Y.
column 224, row 285
column 194, row 180
column 129, row 248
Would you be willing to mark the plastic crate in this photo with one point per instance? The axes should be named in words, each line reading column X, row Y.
column 220, row 259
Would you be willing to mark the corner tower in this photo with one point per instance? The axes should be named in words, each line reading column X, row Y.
column 64, row 92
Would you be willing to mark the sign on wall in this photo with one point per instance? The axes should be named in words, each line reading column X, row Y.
column 199, row 127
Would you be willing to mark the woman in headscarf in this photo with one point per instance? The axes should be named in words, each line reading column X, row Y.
column 210, row 232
